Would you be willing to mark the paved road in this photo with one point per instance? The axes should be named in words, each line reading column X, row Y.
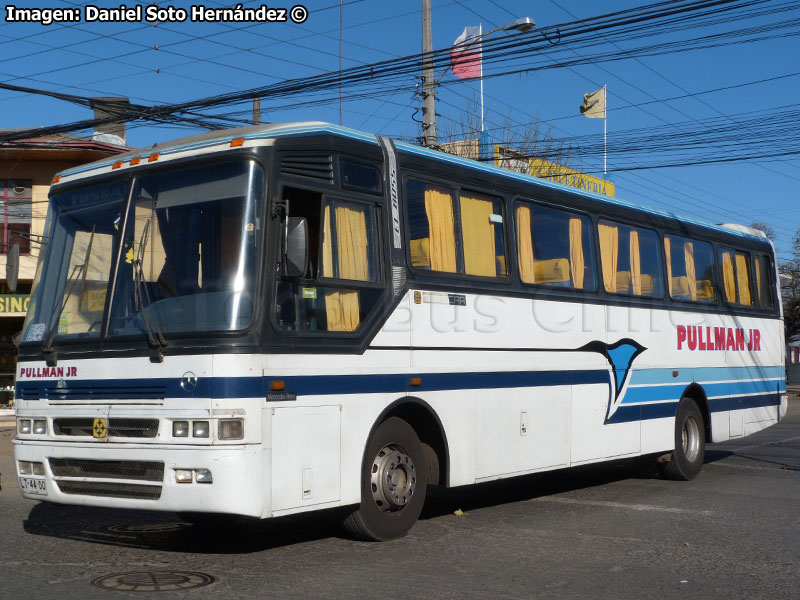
column 607, row 531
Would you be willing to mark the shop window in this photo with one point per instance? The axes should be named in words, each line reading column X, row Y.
column 630, row 259
column 15, row 199
column 554, row 247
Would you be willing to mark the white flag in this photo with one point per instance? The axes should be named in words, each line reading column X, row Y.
column 594, row 104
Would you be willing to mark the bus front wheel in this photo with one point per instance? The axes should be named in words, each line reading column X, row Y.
column 687, row 458
column 393, row 482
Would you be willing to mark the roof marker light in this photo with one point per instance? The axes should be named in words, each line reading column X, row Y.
column 235, row 143
column 153, row 157
column 117, row 165
column 57, row 178
column 135, row 161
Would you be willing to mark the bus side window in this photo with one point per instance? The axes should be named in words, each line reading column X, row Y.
column 736, row 276
column 690, row 269
column 431, row 221
column 764, row 282
column 630, row 259
column 554, row 247
column 482, row 235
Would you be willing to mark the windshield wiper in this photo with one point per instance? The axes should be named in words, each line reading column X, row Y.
column 142, row 300
column 47, row 348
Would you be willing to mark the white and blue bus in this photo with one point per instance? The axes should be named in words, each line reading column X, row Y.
column 286, row 318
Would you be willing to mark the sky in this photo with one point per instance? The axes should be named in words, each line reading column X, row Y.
column 732, row 100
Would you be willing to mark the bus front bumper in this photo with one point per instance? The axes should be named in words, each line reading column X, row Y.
column 210, row 479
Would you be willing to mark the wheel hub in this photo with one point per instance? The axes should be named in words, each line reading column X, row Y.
column 690, row 438
column 393, row 478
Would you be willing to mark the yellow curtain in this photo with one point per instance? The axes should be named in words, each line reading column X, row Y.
column 342, row 307
column 636, row 264
column 477, row 231
column 351, row 233
column 609, row 251
column 327, row 244
column 576, row 261
column 691, row 274
column 760, row 293
column 728, row 277
column 668, row 253
column 525, row 245
column 742, row 279
column 439, row 209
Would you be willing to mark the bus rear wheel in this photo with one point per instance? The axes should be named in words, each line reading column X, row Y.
column 687, row 458
column 393, row 482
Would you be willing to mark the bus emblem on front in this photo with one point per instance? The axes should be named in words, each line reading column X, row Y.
column 99, row 428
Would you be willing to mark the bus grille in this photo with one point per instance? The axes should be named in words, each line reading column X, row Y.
column 110, row 489
column 108, row 469
column 127, row 428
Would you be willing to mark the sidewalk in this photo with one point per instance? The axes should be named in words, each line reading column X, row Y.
column 7, row 417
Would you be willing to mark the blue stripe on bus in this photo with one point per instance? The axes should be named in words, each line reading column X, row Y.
column 658, row 393
column 643, row 412
column 308, row 385
column 651, row 400
column 664, row 376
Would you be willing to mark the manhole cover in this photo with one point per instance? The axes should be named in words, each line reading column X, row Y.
column 153, row 581
column 149, row 527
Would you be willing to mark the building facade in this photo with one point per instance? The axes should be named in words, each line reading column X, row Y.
column 27, row 168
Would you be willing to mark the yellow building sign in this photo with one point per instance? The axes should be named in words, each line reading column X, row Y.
column 509, row 159
column 14, row 303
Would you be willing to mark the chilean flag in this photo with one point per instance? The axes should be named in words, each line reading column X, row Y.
column 466, row 56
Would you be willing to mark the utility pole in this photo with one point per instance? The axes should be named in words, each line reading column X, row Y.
column 256, row 111
column 428, row 97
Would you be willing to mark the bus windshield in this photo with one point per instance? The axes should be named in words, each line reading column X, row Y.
column 184, row 251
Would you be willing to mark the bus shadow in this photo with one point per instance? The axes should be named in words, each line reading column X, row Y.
column 443, row 501
column 167, row 532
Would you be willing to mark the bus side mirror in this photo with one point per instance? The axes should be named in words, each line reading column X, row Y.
column 12, row 266
column 295, row 257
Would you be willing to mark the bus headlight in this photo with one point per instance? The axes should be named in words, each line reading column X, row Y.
column 24, row 426
column 200, row 429
column 39, row 427
column 180, row 429
column 203, row 476
column 25, row 468
column 231, row 429
column 183, row 475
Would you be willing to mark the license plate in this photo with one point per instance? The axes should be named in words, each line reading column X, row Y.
column 29, row 485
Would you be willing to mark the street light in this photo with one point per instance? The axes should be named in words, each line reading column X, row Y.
column 523, row 25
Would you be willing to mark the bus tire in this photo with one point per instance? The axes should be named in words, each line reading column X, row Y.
column 393, row 482
column 687, row 458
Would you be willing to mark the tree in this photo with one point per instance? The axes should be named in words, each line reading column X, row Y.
column 524, row 140
column 790, row 289
column 768, row 231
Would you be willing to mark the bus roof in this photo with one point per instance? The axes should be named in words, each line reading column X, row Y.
column 261, row 133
